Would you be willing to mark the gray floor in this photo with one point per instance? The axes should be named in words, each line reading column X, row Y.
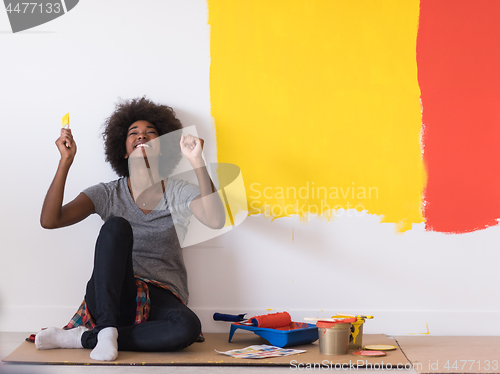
column 9, row 341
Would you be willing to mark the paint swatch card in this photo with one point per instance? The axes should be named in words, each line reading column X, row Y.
column 261, row 351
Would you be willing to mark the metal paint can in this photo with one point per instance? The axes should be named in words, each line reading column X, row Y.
column 333, row 337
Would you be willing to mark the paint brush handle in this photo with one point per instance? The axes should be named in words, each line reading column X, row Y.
column 353, row 315
column 229, row 317
column 342, row 319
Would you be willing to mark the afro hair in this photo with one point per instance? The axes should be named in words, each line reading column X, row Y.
column 126, row 113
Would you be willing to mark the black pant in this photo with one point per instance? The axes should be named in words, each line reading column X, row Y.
column 111, row 299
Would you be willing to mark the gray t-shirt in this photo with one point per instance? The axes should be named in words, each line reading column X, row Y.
column 157, row 254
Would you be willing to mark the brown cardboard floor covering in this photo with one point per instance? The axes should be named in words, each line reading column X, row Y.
column 452, row 354
column 204, row 354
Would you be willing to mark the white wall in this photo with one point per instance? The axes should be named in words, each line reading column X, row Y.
column 81, row 63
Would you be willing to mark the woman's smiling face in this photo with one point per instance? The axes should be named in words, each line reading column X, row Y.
column 139, row 136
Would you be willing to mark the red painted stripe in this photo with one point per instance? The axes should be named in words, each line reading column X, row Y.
column 458, row 58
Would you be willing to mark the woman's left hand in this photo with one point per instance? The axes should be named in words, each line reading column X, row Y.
column 191, row 148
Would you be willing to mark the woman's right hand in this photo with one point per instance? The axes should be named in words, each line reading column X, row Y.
column 54, row 214
column 66, row 145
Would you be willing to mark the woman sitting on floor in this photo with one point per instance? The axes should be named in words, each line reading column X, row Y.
column 138, row 238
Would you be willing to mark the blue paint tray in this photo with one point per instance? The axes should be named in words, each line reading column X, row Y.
column 297, row 333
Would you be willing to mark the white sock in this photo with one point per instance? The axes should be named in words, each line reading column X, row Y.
column 54, row 337
column 107, row 345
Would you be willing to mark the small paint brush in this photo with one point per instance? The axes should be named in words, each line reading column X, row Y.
column 65, row 121
column 351, row 315
column 343, row 319
column 65, row 124
column 148, row 167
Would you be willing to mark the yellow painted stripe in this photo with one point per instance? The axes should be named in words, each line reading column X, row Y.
column 318, row 103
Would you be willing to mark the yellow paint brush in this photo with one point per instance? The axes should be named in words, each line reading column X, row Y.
column 65, row 121
column 352, row 315
column 65, row 124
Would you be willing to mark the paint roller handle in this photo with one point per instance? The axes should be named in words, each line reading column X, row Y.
column 229, row 317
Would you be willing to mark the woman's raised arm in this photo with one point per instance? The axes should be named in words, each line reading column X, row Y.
column 54, row 215
column 207, row 207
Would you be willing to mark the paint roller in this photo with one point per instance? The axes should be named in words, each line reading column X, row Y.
column 272, row 321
